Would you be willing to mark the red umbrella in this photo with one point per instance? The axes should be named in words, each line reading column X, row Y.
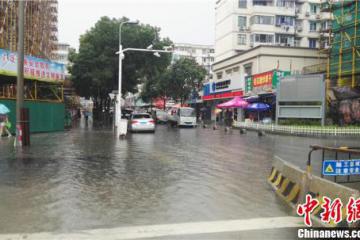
column 159, row 103
column 237, row 102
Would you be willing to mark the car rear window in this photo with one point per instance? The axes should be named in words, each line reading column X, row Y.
column 141, row 116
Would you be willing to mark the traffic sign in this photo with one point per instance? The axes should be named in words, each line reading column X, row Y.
column 341, row 167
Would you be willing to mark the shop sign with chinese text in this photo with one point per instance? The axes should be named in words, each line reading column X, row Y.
column 34, row 68
column 263, row 82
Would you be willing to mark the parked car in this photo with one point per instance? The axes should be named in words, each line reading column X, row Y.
column 161, row 116
column 141, row 122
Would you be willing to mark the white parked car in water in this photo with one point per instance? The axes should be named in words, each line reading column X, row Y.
column 141, row 122
column 182, row 116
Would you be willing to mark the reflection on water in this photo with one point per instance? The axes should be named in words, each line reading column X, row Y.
column 86, row 178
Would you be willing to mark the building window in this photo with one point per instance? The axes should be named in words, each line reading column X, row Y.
column 259, row 19
column 212, row 50
column 285, row 3
column 312, row 42
column 284, row 20
column 312, row 25
column 236, row 69
column 242, row 3
column 212, row 59
column 284, row 40
column 242, row 22
column 241, row 39
column 314, row 8
column 219, row 75
column 248, row 69
column 262, row 3
column 263, row 38
column 297, row 42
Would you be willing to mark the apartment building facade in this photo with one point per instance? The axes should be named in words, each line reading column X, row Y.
column 204, row 55
column 244, row 24
column 61, row 54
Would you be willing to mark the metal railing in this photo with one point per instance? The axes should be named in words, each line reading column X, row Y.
column 301, row 130
column 349, row 152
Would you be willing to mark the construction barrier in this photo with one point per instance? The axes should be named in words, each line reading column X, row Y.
column 292, row 184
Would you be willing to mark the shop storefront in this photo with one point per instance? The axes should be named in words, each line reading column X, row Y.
column 43, row 90
column 262, row 88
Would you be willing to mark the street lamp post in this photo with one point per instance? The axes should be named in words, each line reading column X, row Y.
column 121, row 126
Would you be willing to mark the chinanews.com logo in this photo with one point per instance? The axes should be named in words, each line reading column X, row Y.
column 333, row 212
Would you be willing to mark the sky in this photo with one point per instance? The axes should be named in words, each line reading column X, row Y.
column 183, row 21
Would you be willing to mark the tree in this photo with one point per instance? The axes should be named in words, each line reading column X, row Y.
column 95, row 67
column 181, row 79
column 185, row 77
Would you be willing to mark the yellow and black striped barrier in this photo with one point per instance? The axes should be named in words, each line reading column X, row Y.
column 286, row 189
column 291, row 184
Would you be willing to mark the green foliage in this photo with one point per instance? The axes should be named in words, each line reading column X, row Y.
column 178, row 81
column 95, row 67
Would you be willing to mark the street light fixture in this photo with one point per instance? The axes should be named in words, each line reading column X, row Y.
column 121, row 125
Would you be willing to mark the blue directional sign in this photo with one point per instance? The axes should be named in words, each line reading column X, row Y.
column 341, row 167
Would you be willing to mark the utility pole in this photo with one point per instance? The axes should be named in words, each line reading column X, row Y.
column 20, row 74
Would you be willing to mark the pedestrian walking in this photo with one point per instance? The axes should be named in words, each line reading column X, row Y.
column 5, row 125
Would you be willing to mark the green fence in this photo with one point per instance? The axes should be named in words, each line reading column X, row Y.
column 44, row 116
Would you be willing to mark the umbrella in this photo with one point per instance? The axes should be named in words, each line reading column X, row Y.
column 4, row 109
column 259, row 107
column 237, row 102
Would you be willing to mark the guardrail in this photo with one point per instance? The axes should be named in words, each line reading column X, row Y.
column 347, row 154
column 300, row 130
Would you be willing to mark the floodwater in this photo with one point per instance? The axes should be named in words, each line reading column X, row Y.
column 86, row 179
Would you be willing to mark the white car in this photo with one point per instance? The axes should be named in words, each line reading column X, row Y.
column 141, row 122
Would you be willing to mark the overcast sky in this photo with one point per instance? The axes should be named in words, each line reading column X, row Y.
column 183, row 21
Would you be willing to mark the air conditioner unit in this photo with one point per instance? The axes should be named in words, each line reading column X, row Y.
column 307, row 14
column 299, row 29
column 297, row 11
column 318, row 16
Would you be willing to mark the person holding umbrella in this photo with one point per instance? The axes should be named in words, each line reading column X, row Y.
column 5, row 124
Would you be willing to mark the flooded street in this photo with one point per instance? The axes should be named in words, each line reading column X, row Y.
column 87, row 179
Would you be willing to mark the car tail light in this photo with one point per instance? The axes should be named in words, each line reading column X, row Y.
column 134, row 121
column 151, row 121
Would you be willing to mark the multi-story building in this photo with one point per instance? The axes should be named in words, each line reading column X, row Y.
column 40, row 27
column 202, row 54
column 244, row 24
column 61, row 54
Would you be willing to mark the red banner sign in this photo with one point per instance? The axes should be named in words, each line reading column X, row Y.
column 223, row 95
column 263, row 79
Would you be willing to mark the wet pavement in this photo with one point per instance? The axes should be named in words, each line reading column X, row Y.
column 86, row 179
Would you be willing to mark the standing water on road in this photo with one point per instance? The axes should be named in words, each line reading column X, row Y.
column 86, row 179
